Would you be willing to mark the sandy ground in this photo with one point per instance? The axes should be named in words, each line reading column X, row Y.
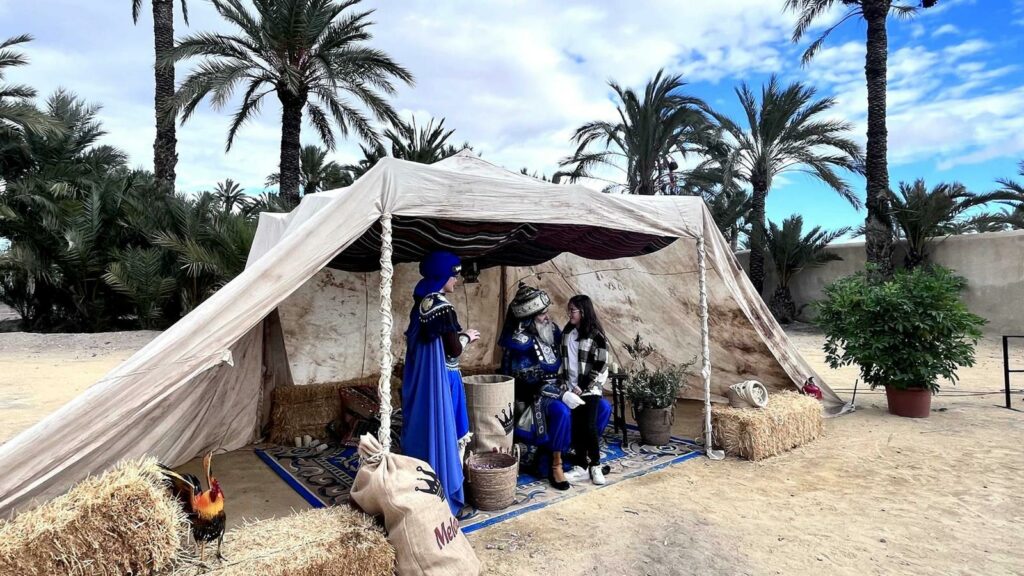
column 877, row 495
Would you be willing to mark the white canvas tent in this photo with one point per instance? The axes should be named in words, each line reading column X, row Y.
column 202, row 384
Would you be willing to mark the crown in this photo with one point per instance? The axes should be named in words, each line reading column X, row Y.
column 506, row 418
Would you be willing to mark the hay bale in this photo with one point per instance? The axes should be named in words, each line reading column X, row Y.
column 300, row 410
column 336, row 541
column 788, row 421
column 123, row 522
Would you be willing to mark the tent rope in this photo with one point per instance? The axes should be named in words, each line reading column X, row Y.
column 705, row 342
column 387, row 270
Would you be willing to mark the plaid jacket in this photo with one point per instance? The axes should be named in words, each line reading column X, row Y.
column 592, row 360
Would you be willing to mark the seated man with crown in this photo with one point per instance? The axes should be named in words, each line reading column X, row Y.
column 530, row 340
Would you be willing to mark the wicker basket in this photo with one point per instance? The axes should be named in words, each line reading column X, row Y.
column 492, row 479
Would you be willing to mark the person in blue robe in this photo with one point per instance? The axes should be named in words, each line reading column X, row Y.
column 530, row 341
column 435, row 420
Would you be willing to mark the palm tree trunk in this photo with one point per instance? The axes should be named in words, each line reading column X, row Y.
column 914, row 257
column 291, row 127
column 165, row 156
column 782, row 305
column 878, row 224
column 757, row 235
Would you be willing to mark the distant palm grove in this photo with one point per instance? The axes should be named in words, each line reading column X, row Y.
column 88, row 243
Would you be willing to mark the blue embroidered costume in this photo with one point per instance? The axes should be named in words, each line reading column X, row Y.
column 534, row 364
column 435, row 420
column 534, row 361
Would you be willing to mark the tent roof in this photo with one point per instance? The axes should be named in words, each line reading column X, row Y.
column 496, row 217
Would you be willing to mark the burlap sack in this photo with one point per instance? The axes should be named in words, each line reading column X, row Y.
column 420, row 525
column 489, row 400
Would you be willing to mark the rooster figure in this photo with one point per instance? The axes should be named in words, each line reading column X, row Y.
column 205, row 508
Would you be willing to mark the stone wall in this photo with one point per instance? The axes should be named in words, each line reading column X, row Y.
column 993, row 264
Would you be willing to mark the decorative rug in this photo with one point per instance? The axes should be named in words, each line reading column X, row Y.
column 325, row 478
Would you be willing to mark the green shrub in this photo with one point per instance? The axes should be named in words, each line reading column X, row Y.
column 647, row 387
column 905, row 332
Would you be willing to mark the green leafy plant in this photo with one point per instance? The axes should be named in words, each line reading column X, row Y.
column 648, row 387
column 904, row 333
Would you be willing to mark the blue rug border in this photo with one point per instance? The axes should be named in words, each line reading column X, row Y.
column 568, row 495
column 289, row 479
column 317, row 503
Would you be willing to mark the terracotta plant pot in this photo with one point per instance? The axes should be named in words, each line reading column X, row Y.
column 909, row 403
column 655, row 425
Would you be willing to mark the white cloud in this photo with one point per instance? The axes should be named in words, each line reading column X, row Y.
column 516, row 78
column 966, row 48
column 942, row 107
column 945, row 29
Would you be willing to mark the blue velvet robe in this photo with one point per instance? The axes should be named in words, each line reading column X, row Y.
column 433, row 397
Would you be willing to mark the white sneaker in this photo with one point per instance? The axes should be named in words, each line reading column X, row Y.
column 597, row 476
column 576, row 475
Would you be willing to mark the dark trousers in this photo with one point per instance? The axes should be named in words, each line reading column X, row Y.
column 586, row 437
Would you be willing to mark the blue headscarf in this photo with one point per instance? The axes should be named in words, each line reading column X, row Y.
column 436, row 269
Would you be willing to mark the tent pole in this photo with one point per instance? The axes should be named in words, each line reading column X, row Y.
column 705, row 345
column 387, row 270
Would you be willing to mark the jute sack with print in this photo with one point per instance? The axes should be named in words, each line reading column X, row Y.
column 489, row 401
column 420, row 525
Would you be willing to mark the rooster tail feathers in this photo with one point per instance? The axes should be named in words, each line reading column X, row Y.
column 180, row 484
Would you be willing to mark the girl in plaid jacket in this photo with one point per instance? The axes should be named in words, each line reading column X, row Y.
column 583, row 374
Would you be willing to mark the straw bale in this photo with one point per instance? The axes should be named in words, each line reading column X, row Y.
column 372, row 380
column 788, row 421
column 308, row 408
column 335, row 541
column 122, row 522
column 301, row 410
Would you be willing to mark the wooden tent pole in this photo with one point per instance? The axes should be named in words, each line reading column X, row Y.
column 387, row 271
column 705, row 346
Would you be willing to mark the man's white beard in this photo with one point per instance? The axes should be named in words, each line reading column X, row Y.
column 545, row 331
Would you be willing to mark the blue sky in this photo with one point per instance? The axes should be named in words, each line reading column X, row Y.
column 515, row 78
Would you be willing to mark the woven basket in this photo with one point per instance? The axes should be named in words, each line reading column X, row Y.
column 492, row 479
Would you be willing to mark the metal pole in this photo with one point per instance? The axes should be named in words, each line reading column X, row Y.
column 705, row 341
column 1006, row 368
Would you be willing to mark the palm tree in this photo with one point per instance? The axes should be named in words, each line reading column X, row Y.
column 791, row 250
column 730, row 208
column 786, row 132
column 653, row 129
column 425, row 144
column 267, row 202
column 878, row 226
column 317, row 172
column 165, row 155
column 371, row 155
column 140, row 274
column 209, row 246
column 18, row 115
column 230, row 194
column 921, row 214
column 1011, row 186
column 538, row 175
column 311, row 53
column 421, row 144
column 85, row 234
column 1013, row 216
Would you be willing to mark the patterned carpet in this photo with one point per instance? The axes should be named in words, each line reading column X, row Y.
column 325, row 479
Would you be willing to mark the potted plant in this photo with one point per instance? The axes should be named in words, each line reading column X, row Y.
column 904, row 333
column 652, row 392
